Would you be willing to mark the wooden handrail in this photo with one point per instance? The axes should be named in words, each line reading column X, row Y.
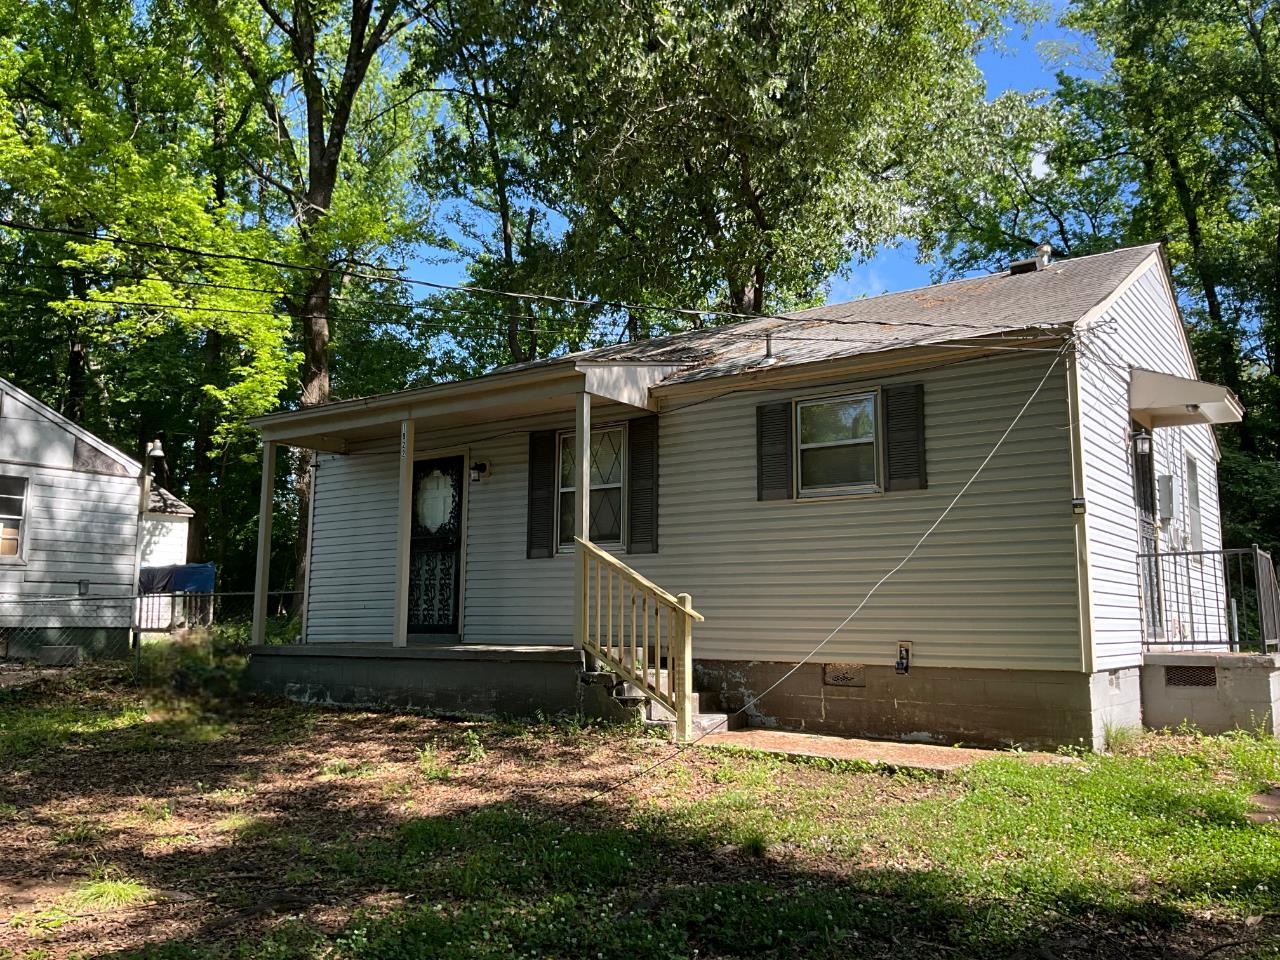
column 608, row 558
column 635, row 629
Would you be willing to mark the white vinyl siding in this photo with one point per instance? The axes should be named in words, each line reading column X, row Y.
column 78, row 526
column 164, row 541
column 994, row 587
column 1140, row 329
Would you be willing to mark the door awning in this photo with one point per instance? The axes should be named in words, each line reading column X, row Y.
column 1164, row 400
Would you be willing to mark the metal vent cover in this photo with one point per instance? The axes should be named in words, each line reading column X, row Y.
column 1190, row 676
column 845, row 675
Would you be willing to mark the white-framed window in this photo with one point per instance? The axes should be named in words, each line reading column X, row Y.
column 837, row 445
column 1193, row 504
column 13, row 506
column 608, row 482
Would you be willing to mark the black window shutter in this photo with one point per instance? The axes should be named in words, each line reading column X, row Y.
column 543, row 494
column 904, row 437
column 642, row 485
column 775, row 476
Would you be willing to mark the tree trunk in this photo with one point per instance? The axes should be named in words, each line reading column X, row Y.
column 1223, row 333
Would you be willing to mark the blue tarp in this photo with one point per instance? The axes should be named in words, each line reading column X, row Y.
column 178, row 578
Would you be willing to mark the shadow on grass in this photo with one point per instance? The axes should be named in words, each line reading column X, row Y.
column 524, row 877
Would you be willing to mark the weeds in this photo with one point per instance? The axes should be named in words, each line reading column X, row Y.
column 430, row 765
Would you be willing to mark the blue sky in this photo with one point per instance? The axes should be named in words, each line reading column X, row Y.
column 1025, row 64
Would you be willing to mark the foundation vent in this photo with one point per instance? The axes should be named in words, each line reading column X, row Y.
column 845, row 675
column 1190, row 677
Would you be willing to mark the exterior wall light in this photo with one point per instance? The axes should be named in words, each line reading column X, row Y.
column 1078, row 506
column 480, row 469
column 1141, row 442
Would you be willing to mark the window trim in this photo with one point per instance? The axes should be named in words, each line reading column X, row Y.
column 23, row 520
column 1195, row 512
column 876, row 441
column 621, row 486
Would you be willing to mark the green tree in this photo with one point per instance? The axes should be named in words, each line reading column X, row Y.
column 1176, row 139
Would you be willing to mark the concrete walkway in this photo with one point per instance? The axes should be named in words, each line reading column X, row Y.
column 896, row 756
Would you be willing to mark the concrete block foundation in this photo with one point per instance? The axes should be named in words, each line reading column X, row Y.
column 95, row 643
column 453, row 680
column 1214, row 692
column 1039, row 709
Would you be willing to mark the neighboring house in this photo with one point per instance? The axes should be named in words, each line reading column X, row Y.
column 775, row 470
column 72, row 534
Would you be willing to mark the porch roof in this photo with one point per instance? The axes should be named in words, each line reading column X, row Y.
column 550, row 387
column 1164, row 400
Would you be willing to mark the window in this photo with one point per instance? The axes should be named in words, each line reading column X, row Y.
column 836, row 441
column 608, row 468
column 13, row 501
column 1193, row 505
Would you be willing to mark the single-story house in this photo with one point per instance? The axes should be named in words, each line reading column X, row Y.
column 74, row 531
column 702, row 511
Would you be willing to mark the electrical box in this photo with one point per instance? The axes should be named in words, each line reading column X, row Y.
column 1168, row 496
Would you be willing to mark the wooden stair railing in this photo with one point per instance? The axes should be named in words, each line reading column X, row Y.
column 639, row 631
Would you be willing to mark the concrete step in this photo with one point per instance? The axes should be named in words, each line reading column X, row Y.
column 658, row 711
column 703, row 723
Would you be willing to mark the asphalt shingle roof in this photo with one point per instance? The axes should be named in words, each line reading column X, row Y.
column 1053, row 297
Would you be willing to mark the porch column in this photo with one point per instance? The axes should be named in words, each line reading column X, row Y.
column 581, row 511
column 404, row 530
column 262, row 572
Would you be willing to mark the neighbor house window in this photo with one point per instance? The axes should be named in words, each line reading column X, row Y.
column 836, row 445
column 13, row 502
column 608, row 469
column 1193, row 505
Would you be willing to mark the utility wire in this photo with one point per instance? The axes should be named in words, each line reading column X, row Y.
column 443, row 328
column 458, row 288
column 684, row 747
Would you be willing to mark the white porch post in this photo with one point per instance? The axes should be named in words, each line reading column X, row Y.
column 404, row 529
column 262, row 573
column 581, row 512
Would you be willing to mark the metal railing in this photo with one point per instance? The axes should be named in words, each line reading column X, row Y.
column 639, row 631
column 1210, row 598
column 108, row 626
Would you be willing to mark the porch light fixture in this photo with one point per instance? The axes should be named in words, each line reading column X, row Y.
column 1078, row 506
column 1141, row 442
column 480, row 469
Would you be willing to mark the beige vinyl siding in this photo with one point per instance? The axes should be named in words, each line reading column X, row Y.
column 1140, row 329
column 351, row 593
column 994, row 587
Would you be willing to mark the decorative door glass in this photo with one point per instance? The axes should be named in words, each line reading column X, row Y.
column 435, row 546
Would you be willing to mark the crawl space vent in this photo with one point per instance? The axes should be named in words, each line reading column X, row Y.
column 1190, row 677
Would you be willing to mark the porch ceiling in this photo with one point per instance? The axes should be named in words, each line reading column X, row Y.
column 549, row 388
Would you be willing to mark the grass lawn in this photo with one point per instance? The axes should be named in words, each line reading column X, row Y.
column 140, row 819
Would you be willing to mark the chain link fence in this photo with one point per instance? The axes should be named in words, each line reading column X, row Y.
column 65, row 629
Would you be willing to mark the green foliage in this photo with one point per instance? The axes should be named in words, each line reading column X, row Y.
column 1121, row 153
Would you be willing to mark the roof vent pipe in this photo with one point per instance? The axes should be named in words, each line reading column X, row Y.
column 1044, row 256
column 768, row 357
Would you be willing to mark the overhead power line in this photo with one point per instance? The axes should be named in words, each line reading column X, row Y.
column 457, row 288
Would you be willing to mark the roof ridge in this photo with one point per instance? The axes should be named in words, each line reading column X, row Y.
column 948, row 283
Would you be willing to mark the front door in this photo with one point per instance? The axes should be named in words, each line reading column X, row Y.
column 435, row 546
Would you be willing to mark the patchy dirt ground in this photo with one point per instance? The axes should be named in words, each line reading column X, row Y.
column 137, row 822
